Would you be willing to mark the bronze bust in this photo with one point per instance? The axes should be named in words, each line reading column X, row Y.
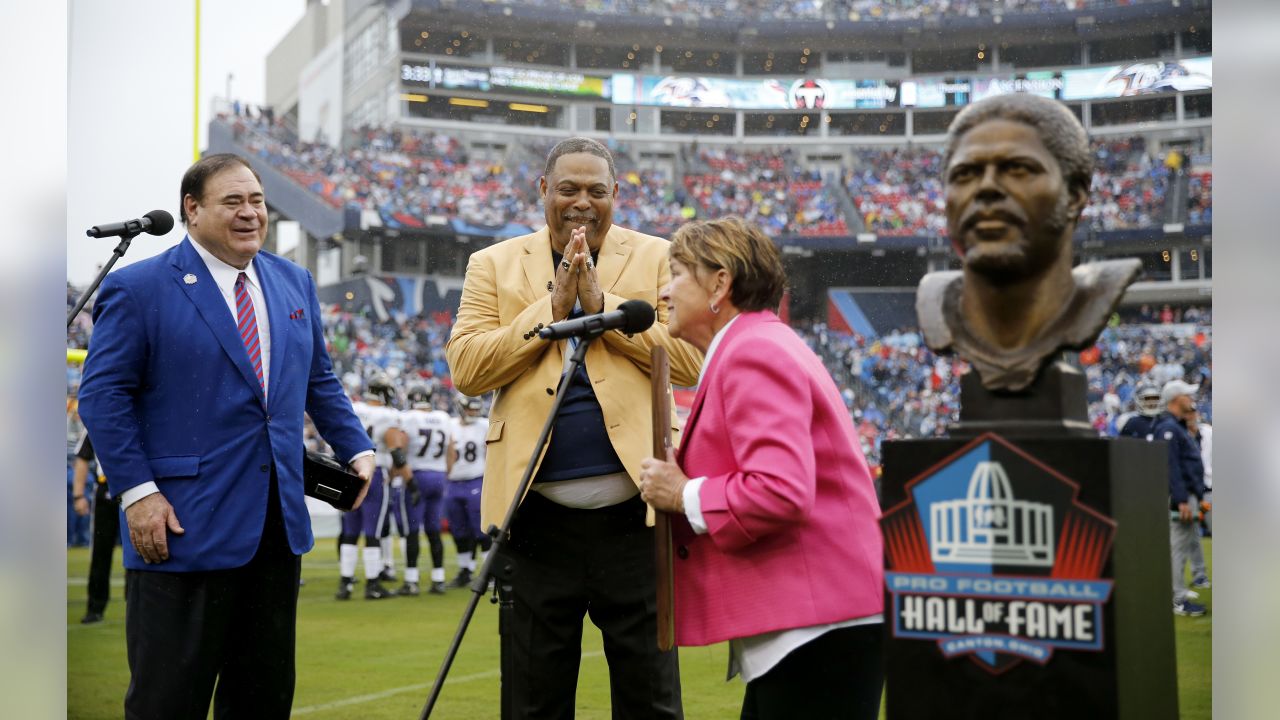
column 1017, row 170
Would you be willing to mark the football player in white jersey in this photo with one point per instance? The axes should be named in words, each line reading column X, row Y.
column 380, row 422
column 462, row 498
column 349, row 530
column 429, row 432
column 392, row 456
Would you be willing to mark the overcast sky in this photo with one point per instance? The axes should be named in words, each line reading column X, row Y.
column 131, row 80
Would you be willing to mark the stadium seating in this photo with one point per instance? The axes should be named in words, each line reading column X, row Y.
column 1129, row 186
column 1200, row 198
column 894, row 386
column 413, row 179
column 898, row 191
column 855, row 10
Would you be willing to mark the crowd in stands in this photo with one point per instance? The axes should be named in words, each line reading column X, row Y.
column 410, row 350
column 856, row 10
column 1200, row 197
column 898, row 191
column 894, row 386
column 406, row 176
column 411, row 176
column 767, row 187
column 1158, row 347
column 1129, row 184
column 649, row 200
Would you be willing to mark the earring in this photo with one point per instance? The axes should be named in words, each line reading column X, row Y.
column 715, row 308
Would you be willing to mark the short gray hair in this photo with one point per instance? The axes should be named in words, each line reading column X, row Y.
column 1060, row 131
column 579, row 145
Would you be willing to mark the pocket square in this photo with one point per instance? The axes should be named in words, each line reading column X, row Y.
column 297, row 314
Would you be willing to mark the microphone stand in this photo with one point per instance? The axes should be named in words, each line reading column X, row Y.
column 480, row 583
column 116, row 254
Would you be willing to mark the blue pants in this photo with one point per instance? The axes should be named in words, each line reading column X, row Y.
column 428, row 511
column 398, row 513
column 351, row 524
column 463, row 509
column 364, row 519
column 373, row 511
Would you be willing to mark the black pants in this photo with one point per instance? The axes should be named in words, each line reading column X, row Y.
column 573, row 563
column 186, row 630
column 106, row 533
column 839, row 674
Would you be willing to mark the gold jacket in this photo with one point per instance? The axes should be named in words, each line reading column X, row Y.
column 505, row 295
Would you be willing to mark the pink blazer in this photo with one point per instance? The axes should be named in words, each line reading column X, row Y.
column 793, row 538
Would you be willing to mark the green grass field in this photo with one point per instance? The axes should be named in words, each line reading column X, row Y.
column 377, row 659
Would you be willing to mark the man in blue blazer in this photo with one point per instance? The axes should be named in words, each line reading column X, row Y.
column 202, row 362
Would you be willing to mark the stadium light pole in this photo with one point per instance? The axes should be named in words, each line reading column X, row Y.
column 195, row 94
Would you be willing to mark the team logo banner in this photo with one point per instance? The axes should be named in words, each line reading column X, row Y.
column 781, row 93
column 993, row 558
column 1140, row 78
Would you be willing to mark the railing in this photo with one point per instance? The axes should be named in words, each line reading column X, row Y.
column 834, row 10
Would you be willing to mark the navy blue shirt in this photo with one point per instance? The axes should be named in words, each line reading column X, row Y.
column 579, row 445
column 1186, row 469
column 1138, row 426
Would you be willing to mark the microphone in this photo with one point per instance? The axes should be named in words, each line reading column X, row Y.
column 632, row 316
column 156, row 222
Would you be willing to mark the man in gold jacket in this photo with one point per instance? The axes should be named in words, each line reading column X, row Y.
column 579, row 542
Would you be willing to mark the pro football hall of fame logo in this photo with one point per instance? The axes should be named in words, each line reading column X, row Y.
column 992, row 557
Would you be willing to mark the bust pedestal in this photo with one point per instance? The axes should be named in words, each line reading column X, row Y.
column 1027, row 565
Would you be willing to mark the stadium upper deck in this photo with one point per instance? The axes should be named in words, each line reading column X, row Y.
column 407, row 177
column 819, row 120
column 752, row 71
column 815, row 72
column 851, row 10
column 782, row 16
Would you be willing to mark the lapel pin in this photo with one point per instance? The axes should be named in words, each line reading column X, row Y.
column 189, row 279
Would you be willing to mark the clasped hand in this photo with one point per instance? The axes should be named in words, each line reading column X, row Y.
column 576, row 280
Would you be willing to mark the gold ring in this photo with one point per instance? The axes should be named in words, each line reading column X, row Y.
column 564, row 264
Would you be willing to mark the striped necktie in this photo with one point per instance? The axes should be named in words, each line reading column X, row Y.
column 247, row 322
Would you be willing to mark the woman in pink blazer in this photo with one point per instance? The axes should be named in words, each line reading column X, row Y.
column 778, row 549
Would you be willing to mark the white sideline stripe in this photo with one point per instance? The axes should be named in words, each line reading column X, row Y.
column 82, row 581
column 360, row 699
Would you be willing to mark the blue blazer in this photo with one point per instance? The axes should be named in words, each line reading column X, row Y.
column 168, row 395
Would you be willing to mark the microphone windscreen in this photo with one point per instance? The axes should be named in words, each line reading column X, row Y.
column 639, row 316
column 161, row 222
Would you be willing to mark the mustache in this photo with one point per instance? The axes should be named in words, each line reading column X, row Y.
column 1013, row 217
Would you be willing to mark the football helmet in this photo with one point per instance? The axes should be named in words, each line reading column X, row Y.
column 469, row 407
column 1148, row 400
column 379, row 387
column 419, row 396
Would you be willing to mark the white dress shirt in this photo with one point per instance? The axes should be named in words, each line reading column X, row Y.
column 756, row 655
column 224, row 276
